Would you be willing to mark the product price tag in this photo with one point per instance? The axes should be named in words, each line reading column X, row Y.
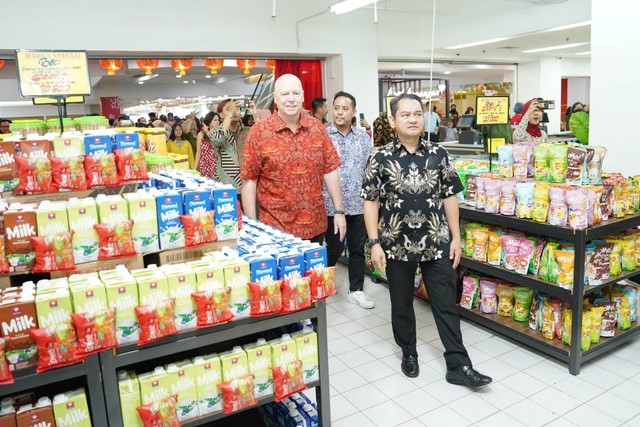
column 52, row 73
column 492, row 110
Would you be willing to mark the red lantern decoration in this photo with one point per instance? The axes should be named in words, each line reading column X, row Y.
column 148, row 65
column 213, row 64
column 246, row 64
column 111, row 65
column 1, row 63
column 181, row 65
column 271, row 63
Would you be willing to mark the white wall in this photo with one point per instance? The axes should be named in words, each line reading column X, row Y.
column 578, row 90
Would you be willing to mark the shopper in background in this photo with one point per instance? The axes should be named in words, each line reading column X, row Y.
column 320, row 109
column 152, row 117
column 528, row 130
column 165, row 123
column 177, row 145
column 453, row 113
column 579, row 123
column 383, row 133
column 412, row 219
column 448, row 133
column 191, row 129
column 353, row 145
column 286, row 160
column 469, row 110
column 248, row 120
column 171, row 119
column 206, row 159
column 5, row 126
column 517, row 117
column 564, row 126
column 431, row 125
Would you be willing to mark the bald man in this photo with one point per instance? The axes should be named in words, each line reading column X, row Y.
column 287, row 159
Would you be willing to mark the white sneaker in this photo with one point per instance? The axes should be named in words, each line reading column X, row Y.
column 360, row 298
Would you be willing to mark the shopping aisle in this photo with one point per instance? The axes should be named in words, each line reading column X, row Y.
column 529, row 389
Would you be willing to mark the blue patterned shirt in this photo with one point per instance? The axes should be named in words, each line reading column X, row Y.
column 354, row 150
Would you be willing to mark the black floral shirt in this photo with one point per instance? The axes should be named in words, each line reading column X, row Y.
column 411, row 188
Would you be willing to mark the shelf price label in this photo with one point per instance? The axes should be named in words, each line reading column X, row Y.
column 492, row 110
column 52, row 73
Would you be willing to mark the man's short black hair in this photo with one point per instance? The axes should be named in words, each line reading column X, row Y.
column 163, row 117
column 346, row 95
column 317, row 103
column 394, row 102
column 5, row 120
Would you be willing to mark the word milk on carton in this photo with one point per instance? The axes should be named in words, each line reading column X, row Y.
column 209, row 275
column 142, row 210
column 182, row 283
column 17, row 317
column 196, row 201
column 234, row 364
column 208, row 374
column 259, row 357
column 315, row 258
column 262, row 268
column 53, row 307
column 183, row 383
column 283, row 350
column 152, row 286
column 122, row 294
column 170, row 228
column 83, row 215
column 290, row 265
column 129, row 390
column 307, row 350
column 98, row 144
column 20, row 225
column 68, row 146
column 112, row 210
column 71, row 409
column 154, row 385
column 236, row 277
column 225, row 212
column 88, row 297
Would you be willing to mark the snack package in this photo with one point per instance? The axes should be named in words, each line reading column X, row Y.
column 266, row 296
column 596, row 323
column 534, row 266
column 53, row 252
column 101, row 170
column 566, row 326
column 524, row 197
column 489, row 299
column 480, row 241
column 4, row 263
column 508, row 198
column 535, row 313
column 470, row 288
column 131, row 165
column 115, row 240
column 523, row 297
column 56, row 346
column 511, row 249
column 6, row 377
column 577, row 204
column 576, row 160
column 623, row 308
column 237, row 394
column 481, row 195
column 160, row 414
column 494, row 249
column 547, row 261
column 606, row 201
column 96, row 331
column 608, row 327
column 599, row 264
column 505, row 158
column 628, row 254
column 556, row 306
column 296, row 294
column 558, row 211
column 520, row 161
column 558, row 163
column 548, row 321
column 566, row 261
column 470, row 197
column 199, row 228
column 505, row 300
column 468, row 238
column 156, row 322
column 585, row 336
column 323, row 282
column 212, row 307
column 615, row 258
column 541, row 162
column 35, row 174
column 526, row 250
column 540, row 202
column 288, row 379
column 632, row 294
column 594, row 213
column 68, row 173
column 492, row 191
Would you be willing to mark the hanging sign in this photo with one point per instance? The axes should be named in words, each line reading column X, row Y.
column 492, row 110
column 53, row 101
column 52, row 73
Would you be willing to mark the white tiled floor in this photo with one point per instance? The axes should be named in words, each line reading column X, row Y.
column 529, row 388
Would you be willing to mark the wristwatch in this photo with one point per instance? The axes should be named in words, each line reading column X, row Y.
column 337, row 212
column 371, row 242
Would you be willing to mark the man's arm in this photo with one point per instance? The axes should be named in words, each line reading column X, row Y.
column 249, row 199
column 452, row 213
column 332, row 182
column 371, row 210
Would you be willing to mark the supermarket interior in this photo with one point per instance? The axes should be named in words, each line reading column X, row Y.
column 145, row 279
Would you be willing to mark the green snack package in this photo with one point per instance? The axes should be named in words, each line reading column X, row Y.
column 585, row 336
column 566, row 326
column 596, row 323
column 558, row 163
column 523, row 298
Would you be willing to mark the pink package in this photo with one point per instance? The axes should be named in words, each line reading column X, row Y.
column 470, row 198
column 508, row 198
column 577, row 203
column 481, row 196
column 557, row 207
column 488, row 299
column 511, row 248
column 520, row 161
column 525, row 252
column 492, row 190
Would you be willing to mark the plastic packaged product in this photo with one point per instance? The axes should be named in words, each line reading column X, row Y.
column 505, row 158
column 101, row 170
column 608, row 327
column 296, row 294
column 53, row 252
column 266, row 297
column 323, row 283
column 68, row 173
column 130, row 164
column 492, row 191
column 577, row 203
column 160, row 413
column 35, row 174
column 594, row 166
column 508, row 198
column 566, row 261
column 488, row 300
column 237, row 394
column 6, row 377
column 628, row 258
column 468, row 238
column 535, row 313
column 115, row 240
column 540, row 202
column 481, row 196
column 606, row 201
column 480, row 240
column 557, row 305
column 548, row 320
column 520, row 161
column 494, row 249
column 541, row 162
column 470, row 287
column 585, row 336
column 598, row 264
column 288, row 379
column 615, row 258
column 523, row 297
column 534, row 266
column 156, row 322
column 526, row 249
column 505, row 300
column 632, row 293
column 623, row 309
column 524, row 197
column 566, row 326
column 56, row 346
column 96, row 331
column 198, row 228
column 576, row 160
column 213, row 307
column 511, row 248
column 470, row 197
column 558, row 163
column 596, row 323
column 546, row 263
column 558, row 210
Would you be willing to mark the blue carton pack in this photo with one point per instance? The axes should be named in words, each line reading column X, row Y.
column 290, row 265
column 127, row 140
column 315, row 258
column 196, row 201
column 225, row 212
column 170, row 229
column 262, row 268
column 98, row 144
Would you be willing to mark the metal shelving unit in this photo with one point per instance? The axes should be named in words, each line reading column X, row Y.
column 572, row 354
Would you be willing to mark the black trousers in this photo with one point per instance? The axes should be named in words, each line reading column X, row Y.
column 356, row 236
column 439, row 279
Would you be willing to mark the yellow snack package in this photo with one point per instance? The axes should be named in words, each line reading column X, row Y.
column 494, row 250
column 480, row 240
column 615, row 259
column 540, row 201
column 585, row 337
column 566, row 261
column 548, row 321
column 566, row 326
column 596, row 323
column 628, row 259
column 505, row 300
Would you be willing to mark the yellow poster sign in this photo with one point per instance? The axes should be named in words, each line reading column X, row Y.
column 52, row 73
column 494, row 143
column 492, row 110
column 52, row 101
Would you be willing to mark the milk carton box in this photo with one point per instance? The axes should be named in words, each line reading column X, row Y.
column 225, row 212
column 127, row 140
column 71, row 410
column 83, row 215
column 196, row 201
column 112, row 210
column 8, row 168
column 259, row 357
column 315, row 258
column 262, row 268
column 170, row 228
column 209, row 275
column 53, row 307
column 183, row 384
column 68, row 146
column 17, row 317
column 39, row 414
column 129, row 390
column 20, row 225
column 307, row 351
column 290, row 265
column 236, row 277
column 182, row 283
column 152, row 287
column 155, row 385
column 208, row 374
column 283, row 350
column 89, row 297
column 98, row 144
column 234, row 364
column 122, row 294
column 142, row 210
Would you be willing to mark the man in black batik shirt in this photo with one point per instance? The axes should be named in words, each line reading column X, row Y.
column 411, row 216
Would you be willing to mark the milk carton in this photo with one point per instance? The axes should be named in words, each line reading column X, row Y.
column 290, row 265
column 208, row 374
column 259, row 357
column 234, row 364
column 71, row 409
column 17, row 317
column 122, row 294
column 39, row 414
column 8, row 168
column 315, row 258
column 89, row 297
column 83, row 215
column 183, row 383
column 112, row 210
column 68, row 146
column 225, row 208
column 152, row 286
column 236, row 277
column 196, row 201
column 283, row 350
column 182, row 283
column 20, row 225
column 129, row 390
column 209, row 275
column 127, row 140
column 170, row 228
column 307, row 352
column 53, row 307
column 155, row 385
column 98, row 144
column 142, row 210
column 262, row 268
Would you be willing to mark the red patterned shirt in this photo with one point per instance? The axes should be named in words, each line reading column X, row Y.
column 289, row 169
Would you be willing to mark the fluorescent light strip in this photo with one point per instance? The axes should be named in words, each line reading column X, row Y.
column 583, row 53
column 558, row 47
column 349, row 5
column 462, row 46
column 568, row 26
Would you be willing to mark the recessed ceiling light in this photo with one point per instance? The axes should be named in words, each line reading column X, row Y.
column 584, row 53
column 447, row 72
column 208, row 76
column 568, row 27
column 178, row 76
column 186, row 82
column 462, row 46
column 140, row 83
column 558, row 47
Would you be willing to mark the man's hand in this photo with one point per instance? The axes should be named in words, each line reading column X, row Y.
column 340, row 226
column 378, row 258
column 364, row 124
column 455, row 251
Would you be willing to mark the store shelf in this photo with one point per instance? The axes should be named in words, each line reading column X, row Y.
column 127, row 187
column 613, row 279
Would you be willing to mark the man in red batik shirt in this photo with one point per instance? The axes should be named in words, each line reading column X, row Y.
column 286, row 160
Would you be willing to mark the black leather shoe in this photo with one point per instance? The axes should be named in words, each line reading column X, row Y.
column 410, row 366
column 466, row 375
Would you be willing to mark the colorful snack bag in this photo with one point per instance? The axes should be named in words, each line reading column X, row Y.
column 266, row 296
column 480, row 240
column 508, row 198
column 594, row 166
column 237, row 394
column 632, row 294
column 56, row 346
column 540, row 201
column 160, row 414
column 6, row 377
column 115, row 240
column 54, row 252
column 628, row 254
column 505, row 300
column 101, row 170
column 576, row 160
column 556, row 305
column 606, row 201
column 566, row 326
column 608, row 327
column 198, row 228
column 558, row 210
column 548, row 320
column 288, row 379
column 492, row 191
column 596, row 323
column 323, row 282
column 212, row 307
column 470, row 197
column 35, row 174
column 624, row 309
column 520, row 161
column 523, row 298
column 566, row 261
column 156, row 322
column 511, row 248
column 131, row 165
column 558, row 163
column 534, row 266
column 546, row 265
column 488, row 300
column 505, row 158
column 468, row 238
column 68, row 173
column 615, row 258
column 541, row 162
column 4, row 264
column 494, row 249
column 535, row 314
column 585, row 336
column 96, row 331
column 524, row 197
column 296, row 294
column 577, row 203
column 481, row 195
column 526, row 249
column 599, row 264
column 469, row 297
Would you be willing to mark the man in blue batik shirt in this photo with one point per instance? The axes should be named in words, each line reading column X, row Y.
column 354, row 147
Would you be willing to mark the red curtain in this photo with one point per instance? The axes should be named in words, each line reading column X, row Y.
column 309, row 73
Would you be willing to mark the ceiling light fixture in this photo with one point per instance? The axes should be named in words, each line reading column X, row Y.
column 568, row 26
column 208, row 76
column 462, row 46
column 583, row 53
column 558, row 47
column 447, row 72
column 349, row 5
column 140, row 83
column 147, row 77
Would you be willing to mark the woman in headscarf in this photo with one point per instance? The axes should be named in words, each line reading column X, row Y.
column 528, row 130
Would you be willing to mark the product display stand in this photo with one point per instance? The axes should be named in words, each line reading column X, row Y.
column 518, row 331
column 181, row 347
